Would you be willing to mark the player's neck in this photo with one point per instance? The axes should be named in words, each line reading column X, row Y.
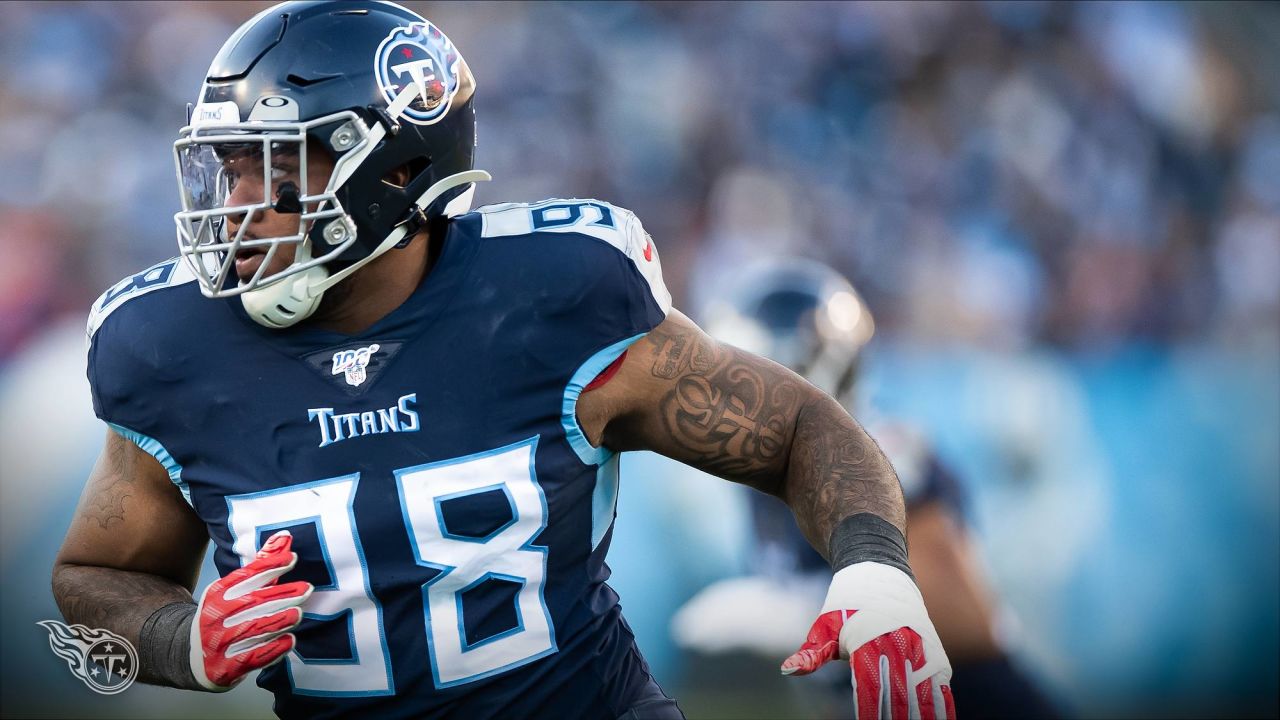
column 372, row 292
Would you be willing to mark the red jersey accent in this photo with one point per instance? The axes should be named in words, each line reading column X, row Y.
column 606, row 374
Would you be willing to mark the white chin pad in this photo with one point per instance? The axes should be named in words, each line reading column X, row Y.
column 287, row 302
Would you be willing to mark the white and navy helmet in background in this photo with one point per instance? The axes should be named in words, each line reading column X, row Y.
column 799, row 313
column 379, row 88
column 804, row 315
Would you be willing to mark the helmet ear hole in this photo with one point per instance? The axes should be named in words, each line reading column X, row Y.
column 402, row 175
column 398, row 177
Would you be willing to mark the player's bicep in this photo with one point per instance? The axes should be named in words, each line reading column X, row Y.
column 132, row 517
column 685, row 395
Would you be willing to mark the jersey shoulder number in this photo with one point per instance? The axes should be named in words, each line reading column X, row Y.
column 604, row 221
column 169, row 273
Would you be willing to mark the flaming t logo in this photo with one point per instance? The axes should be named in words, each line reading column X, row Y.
column 103, row 660
column 419, row 55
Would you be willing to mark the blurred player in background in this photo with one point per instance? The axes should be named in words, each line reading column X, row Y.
column 806, row 316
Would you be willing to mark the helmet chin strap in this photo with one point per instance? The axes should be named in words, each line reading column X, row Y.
column 289, row 301
column 296, row 298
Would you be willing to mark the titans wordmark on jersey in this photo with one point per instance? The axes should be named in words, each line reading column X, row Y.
column 444, row 502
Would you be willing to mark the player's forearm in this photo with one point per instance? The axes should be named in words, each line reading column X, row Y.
column 747, row 419
column 835, row 471
column 123, row 602
column 115, row 600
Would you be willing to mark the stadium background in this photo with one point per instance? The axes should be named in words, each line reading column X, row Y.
column 1065, row 217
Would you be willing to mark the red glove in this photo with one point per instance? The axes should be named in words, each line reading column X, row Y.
column 244, row 618
column 875, row 617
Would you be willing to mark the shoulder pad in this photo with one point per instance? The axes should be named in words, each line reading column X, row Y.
column 169, row 273
column 594, row 218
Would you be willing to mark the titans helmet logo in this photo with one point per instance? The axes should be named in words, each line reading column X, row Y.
column 418, row 56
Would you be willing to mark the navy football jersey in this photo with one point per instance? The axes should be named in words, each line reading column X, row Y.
column 442, row 498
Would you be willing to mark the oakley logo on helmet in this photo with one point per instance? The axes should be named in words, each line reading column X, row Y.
column 421, row 57
column 274, row 108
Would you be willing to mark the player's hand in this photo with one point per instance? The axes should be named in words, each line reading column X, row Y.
column 244, row 618
column 874, row 617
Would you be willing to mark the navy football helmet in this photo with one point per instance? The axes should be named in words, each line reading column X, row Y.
column 799, row 313
column 378, row 88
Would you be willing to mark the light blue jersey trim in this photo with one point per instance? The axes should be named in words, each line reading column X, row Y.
column 588, row 371
column 604, row 499
column 153, row 448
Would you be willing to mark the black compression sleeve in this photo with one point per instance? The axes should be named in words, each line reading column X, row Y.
column 164, row 647
column 868, row 538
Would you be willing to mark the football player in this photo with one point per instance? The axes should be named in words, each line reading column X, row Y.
column 398, row 421
column 808, row 317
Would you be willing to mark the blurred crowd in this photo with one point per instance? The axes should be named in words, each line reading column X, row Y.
column 1080, row 175
column 1076, row 182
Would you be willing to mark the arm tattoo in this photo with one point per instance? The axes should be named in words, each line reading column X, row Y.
column 836, row 471
column 106, row 504
column 747, row 419
column 101, row 596
column 117, row 600
column 726, row 412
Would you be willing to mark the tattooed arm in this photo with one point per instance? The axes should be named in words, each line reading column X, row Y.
column 747, row 419
column 744, row 418
column 133, row 547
